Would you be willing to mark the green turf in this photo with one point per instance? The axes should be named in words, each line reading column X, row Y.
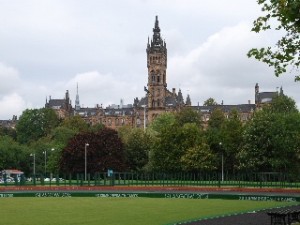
column 117, row 211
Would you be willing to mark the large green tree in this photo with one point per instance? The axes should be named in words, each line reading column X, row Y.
column 12, row 154
column 198, row 158
column 213, row 131
column 75, row 123
column 172, row 141
column 188, row 115
column 36, row 123
column 137, row 144
column 271, row 141
column 210, row 102
column 231, row 139
column 285, row 15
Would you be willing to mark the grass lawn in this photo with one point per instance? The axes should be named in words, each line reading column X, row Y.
column 118, row 211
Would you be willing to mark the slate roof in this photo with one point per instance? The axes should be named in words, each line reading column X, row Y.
column 243, row 108
column 55, row 103
column 266, row 97
column 169, row 101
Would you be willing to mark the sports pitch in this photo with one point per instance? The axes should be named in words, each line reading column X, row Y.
column 120, row 211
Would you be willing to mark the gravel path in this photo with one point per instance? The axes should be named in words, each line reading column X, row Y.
column 256, row 218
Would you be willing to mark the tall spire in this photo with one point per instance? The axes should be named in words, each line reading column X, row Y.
column 157, row 65
column 77, row 104
column 157, row 41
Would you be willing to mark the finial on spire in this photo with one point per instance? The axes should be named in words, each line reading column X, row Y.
column 156, row 22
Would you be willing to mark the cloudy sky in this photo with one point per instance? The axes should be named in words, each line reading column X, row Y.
column 48, row 46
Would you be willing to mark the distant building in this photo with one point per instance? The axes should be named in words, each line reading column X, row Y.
column 9, row 123
column 158, row 99
column 63, row 107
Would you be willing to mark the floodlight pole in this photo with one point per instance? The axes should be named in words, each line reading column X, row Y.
column 85, row 159
column 222, row 161
column 33, row 155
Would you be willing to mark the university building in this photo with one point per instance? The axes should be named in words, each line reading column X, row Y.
column 158, row 98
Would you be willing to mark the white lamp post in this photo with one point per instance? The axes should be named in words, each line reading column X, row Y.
column 144, row 106
column 222, row 161
column 33, row 155
column 45, row 153
column 85, row 160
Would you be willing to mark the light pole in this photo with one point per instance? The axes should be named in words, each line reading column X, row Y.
column 85, row 160
column 222, row 161
column 45, row 153
column 144, row 116
column 33, row 155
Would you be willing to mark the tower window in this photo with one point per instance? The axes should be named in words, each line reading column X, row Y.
column 158, row 79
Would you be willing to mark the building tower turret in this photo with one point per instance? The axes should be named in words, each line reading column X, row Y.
column 77, row 103
column 157, row 66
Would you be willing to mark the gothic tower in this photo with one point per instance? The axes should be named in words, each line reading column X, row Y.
column 157, row 66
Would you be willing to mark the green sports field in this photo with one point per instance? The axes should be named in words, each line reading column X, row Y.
column 118, row 211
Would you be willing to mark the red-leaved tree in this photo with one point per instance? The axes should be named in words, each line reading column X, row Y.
column 104, row 151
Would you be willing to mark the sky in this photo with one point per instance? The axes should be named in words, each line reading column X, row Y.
column 50, row 46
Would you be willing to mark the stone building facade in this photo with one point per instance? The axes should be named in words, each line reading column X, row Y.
column 158, row 99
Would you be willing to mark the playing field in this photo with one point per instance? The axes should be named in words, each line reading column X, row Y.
column 118, row 211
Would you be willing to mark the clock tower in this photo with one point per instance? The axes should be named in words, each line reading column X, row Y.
column 157, row 66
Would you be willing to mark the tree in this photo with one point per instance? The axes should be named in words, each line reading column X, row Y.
column 172, row 140
column 231, row 139
column 214, row 134
column 105, row 151
column 271, row 142
column 12, row 154
column 188, row 115
column 163, row 120
column 165, row 151
column 8, row 131
column 210, row 102
column 287, row 50
column 137, row 147
column 61, row 135
column 198, row 158
column 35, row 123
column 75, row 123
column 282, row 104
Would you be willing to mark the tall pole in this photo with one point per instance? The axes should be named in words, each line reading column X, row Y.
column 222, row 167
column 33, row 155
column 85, row 160
column 145, row 118
column 45, row 153
column 34, row 164
column 222, row 161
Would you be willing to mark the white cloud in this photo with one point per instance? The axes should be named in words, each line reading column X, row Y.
column 219, row 68
column 9, row 77
column 96, row 88
column 12, row 104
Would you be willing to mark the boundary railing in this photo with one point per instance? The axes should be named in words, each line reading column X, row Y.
column 252, row 180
